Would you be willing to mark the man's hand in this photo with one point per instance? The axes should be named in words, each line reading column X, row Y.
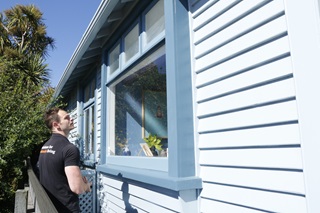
column 89, row 184
column 84, row 179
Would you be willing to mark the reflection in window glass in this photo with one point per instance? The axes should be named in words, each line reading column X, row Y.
column 131, row 43
column 114, row 59
column 89, row 132
column 155, row 21
column 89, row 90
column 140, row 107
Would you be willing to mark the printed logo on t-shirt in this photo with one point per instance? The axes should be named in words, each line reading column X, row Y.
column 47, row 149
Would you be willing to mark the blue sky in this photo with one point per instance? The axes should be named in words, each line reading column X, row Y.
column 66, row 22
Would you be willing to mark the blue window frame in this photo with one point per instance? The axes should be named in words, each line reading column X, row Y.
column 139, row 107
column 177, row 171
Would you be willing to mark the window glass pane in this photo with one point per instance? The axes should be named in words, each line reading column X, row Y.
column 114, row 59
column 154, row 21
column 92, row 129
column 86, row 92
column 141, row 108
column 87, row 131
column 131, row 43
column 89, row 90
column 93, row 87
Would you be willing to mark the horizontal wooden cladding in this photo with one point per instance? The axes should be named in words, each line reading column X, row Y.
column 143, row 205
column 280, row 112
column 98, row 98
column 249, row 150
column 272, row 158
column 210, row 10
column 255, row 58
column 264, row 136
column 222, row 31
column 213, row 205
column 113, row 207
column 138, row 197
column 280, row 181
column 224, row 13
column 251, row 199
column 246, row 43
column 259, row 76
column 242, row 98
column 98, row 116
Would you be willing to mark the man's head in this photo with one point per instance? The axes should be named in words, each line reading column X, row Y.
column 59, row 121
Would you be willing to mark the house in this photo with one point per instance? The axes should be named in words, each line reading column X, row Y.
column 228, row 87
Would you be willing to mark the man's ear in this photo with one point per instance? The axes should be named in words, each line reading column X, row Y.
column 55, row 125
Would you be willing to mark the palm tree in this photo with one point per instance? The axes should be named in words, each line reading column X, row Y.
column 23, row 38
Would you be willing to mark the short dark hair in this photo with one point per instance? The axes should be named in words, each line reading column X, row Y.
column 50, row 116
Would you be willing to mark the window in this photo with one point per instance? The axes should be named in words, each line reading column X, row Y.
column 134, row 104
column 88, row 131
column 137, row 98
column 114, row 59
column 137, row 41
column 154, row 22
column 140, row 108
column 89, row 90
column 131, row 43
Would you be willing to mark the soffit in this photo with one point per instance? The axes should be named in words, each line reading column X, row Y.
column 87, row 55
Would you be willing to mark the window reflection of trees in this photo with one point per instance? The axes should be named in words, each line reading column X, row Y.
column 129, row 93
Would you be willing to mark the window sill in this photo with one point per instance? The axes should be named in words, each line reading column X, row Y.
column 157, row 178
column 137, row 162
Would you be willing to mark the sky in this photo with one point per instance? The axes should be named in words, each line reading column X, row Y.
column 66, row 22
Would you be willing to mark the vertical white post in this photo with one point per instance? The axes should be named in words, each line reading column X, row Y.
column 304, row 36
column 188, row 201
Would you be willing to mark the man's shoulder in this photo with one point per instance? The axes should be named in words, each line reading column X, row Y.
column 56, row 138
column 70, row 147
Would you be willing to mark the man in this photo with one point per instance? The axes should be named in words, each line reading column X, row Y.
column 59, row 160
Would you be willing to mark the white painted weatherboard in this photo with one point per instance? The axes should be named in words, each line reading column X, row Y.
column 249, row 147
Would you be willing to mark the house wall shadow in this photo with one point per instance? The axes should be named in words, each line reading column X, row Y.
column 126, row 196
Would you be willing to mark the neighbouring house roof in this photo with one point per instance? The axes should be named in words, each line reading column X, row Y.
column 87, row 54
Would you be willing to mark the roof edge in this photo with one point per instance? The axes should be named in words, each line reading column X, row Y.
column 104, row 10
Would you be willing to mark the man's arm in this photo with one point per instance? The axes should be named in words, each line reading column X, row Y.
column 76, row 181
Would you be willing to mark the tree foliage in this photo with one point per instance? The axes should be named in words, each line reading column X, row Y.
column 25, row 93
column 23, row 37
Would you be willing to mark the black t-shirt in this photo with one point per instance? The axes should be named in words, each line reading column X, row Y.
column 55, row 155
